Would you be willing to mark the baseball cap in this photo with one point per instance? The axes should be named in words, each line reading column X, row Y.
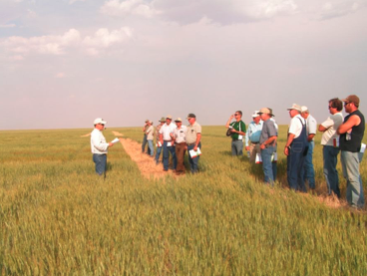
column 264, row 110
column 178, row 120
column 352, row 99
column 169, row 117
column 255, row 114
column 295, row 107
column 304, row 108
column 99, row 121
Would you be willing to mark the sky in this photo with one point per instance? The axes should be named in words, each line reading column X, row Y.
column 64, row 63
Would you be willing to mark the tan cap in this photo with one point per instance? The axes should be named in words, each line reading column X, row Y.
column 295, row 107
column 169, row 117
column 352, row 99
column 147, row 120
column 264, row 110
column 178, row 120
column 162, row 119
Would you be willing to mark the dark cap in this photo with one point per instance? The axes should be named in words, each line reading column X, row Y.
column 352, row 99
column 191, row 115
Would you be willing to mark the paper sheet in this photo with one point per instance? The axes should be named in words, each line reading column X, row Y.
column 114, row 141
column 194, row 154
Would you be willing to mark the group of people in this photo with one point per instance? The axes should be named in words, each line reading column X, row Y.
column 339, row 135
column 174, row 138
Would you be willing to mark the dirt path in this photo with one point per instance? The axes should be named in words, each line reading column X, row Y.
column 146, row 164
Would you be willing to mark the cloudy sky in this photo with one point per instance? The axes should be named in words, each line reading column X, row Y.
column 63, row 63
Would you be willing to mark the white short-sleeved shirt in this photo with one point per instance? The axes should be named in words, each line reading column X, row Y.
column 311, row 125
column 180, row 134
column 149, row 132
column 330, row 136
column 166, row 130
column 296, row 124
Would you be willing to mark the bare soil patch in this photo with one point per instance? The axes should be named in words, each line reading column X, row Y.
column 86, row 135
column 146, row 164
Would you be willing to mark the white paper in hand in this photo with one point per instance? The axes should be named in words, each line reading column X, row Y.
column 114, row 141
column 194, row 154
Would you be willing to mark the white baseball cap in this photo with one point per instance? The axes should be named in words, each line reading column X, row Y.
column 99, row 121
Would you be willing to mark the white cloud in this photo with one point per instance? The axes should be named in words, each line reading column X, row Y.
column 341, row 8
column 7, row 26
column 72, row 39
column 128, row 7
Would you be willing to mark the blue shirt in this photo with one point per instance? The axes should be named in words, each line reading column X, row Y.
column 253, row 132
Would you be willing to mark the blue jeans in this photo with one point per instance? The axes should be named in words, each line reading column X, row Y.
column 157, row 155
column 309, row 172
column 237, row 147
column 166, row 151
column 330, row 154
column 269, row 168
column 194, row 162
column 295, row 167
column 150, row 147
column 350, row 165
column 144, row 143
column 101, row 163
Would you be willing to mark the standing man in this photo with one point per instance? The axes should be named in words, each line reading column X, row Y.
column 149, row 132
column 99, row 146
column 253, row 135
column 296, row 149
column 158, row 143
column 268, row 140
column 238, row 131
column 167, row 142
column 330, row 143
column 145, row 141
column 179, row 137
column 311, row 126
column 351, row 135
column 193, row 141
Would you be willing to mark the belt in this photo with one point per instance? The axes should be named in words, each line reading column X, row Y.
column 192, row 144
column 254, row 142
column 167, row 140
column 236, row 139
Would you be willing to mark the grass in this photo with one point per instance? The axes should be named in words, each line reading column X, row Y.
column 58, row 218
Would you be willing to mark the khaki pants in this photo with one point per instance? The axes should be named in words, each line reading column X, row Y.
column 180, row 154
column 254, row 149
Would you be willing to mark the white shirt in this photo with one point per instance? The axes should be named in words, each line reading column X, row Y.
column 330, row 136
column 311, row 125
column 180, row 134
column 98, row 142
column 166, row 130
column 295, row 126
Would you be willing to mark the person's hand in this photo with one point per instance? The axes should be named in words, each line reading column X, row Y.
column 195, row 148
column 248, row 148
column 286, row 151
column 231, row 117
column 110, row 144
column 262, row 146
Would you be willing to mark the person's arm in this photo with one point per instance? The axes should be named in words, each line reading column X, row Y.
column 246, row 140
column 268, row 142
column 352, row 121
column 289, row 142
column 198, row 138
column 161, row 138
column 229, row 121
column 322, row 128
column 98, row 144
column 310, row 137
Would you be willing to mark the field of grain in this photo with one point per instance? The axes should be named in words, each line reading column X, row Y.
column 58, row 218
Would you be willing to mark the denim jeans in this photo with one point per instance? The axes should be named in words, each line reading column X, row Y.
column 330, row 155
column 101, row 163
column 157, row 155
column 166, row 151
column 295, row 167
column 237, row 147
column 309, row 172
column 269, row 168
column 150, row 148
column 144, row 143
column 350, row 165
column 194, row 162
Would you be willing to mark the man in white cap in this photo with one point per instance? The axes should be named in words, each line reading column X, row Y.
column 166, row 140
column 311, row 126
column 296, row 149
column 179, row 137
column 99, row 146
column 268, row 140
column 253, row 135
